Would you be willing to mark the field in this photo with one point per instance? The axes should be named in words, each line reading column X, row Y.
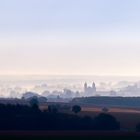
column 128, row 118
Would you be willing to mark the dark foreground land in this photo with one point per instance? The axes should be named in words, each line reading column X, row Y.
column 63, row 135
column 61, row 122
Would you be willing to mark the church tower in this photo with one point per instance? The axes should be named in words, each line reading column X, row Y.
column 85, row 87
column 94, row 87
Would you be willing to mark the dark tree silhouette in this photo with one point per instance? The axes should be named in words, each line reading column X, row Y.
column 34, row 102
column 76, row 109
column 138, row 127
column 52, row 109
column 105, row 109
column 24, row 117
column 106, row 122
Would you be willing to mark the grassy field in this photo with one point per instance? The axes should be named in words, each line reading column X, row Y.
column 128, row 118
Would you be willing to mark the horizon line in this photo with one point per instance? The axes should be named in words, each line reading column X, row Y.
column 96, row 75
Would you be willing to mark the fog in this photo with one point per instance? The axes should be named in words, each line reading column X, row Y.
column 16, row 86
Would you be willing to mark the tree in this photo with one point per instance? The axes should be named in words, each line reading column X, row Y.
column 105, row 109
column 138, row 127
column 76, row 109
column 34, row 102
column 52, row 109
column 106, row 122
column 42, row 100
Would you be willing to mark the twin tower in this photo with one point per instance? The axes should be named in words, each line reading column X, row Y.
column 89, row 90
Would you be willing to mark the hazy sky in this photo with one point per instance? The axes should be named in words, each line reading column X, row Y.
column 97, row 37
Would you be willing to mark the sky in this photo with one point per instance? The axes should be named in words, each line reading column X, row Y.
column 70, row 37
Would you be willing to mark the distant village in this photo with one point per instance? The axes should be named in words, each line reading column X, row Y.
column 67, row 94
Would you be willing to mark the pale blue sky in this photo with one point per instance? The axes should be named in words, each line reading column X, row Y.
column 90, row 37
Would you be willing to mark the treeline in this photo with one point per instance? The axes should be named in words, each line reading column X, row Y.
column 108, row 101
column 22, row 117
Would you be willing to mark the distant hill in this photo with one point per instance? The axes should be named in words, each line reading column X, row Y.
column 108, row 101
column 28, row 95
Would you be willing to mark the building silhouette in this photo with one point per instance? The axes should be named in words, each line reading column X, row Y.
column 89, row 90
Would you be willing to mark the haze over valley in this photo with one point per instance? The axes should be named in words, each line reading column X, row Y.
column 16, row 86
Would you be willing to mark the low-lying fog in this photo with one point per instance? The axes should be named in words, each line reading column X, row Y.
column 15, row 86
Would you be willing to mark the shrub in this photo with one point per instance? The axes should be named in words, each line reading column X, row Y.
column 76, row 109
